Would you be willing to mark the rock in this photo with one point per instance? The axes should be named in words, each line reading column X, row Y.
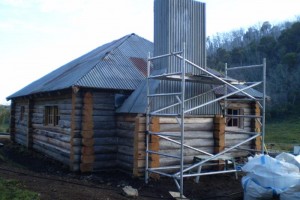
column 130, row 192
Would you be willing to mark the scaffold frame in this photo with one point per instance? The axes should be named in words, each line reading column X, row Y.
column 184, row 170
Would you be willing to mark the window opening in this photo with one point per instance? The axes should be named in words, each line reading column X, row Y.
column 51, row 115
column 232, row 120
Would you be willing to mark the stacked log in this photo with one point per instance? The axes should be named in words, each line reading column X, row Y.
column 20, row 121
column 198, row 134
column 53, row 141
column 125, row 133
column 237, row 135
column 256, row 126
column 87, row 134
column 105, row 139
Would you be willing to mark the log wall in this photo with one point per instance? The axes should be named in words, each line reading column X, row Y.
column 19, row 131
column 126, row 135
column 105, row 138
column 76, row 123
column 54, row 141
column 198, row 133
column 247, row 125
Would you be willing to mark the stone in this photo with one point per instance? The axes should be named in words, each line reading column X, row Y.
column 130, row 192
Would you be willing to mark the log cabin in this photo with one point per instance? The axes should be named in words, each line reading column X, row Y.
column 90, row 113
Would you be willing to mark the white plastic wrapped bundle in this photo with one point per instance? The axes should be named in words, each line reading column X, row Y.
column 269, row 176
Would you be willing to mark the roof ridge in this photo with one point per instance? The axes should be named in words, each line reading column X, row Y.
column 125, row 38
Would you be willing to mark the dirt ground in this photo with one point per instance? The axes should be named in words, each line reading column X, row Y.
column 53, row 181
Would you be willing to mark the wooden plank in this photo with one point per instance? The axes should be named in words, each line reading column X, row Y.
column 54, row 135
column 20, row 139
column 88, row 142
column 126, row 141
column 61, row 158
column 51, row 129
column 106, row 141
column 125, row 133
column 257, row 142
column 188, row 127
column 219, row 134
column 126, row 117
column 103, row 113
column 126, row 158
column 125, row 125
column 108, row 106
column 52, row 141
column 53, row 148
column 88, row 156
column 105, row 157
column 154, row 144
column 166, row 120
column 75, row 125
column 100, row 165
column 164, row 144
column 87, row 134
column 124, row 165
column 191, row 134
column 125, row 150
column 99, row 133
column 105, row 149
column 87, row 159
column 105, row 125
column 142, row 128
column 104, row 118
column 86, row 167
column 88, row 150
column 136, row 147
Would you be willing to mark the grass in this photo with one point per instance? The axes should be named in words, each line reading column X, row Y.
column 283, row 134
column 12, row 189
column 4, row 128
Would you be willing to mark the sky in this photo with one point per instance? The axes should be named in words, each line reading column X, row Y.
column 38, row 36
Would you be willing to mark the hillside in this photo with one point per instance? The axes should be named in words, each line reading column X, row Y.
column 4, row 118
column 280, row 45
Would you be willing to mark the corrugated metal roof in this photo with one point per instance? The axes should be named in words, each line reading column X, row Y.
column 253, row 92
column 110, row 66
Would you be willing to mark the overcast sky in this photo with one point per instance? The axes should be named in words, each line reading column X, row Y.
column 38, row 36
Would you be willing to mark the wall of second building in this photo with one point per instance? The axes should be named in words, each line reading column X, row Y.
column 126, row 128
column 31, row 129
column 86, row 136
column 199, row 133
column 235, row 135
column 105, row 135
column 19, row 121
column 53, row 140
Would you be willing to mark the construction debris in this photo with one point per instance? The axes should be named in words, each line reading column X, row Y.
column 130, row 192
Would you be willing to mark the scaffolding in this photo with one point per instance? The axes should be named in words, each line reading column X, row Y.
column 206, row 77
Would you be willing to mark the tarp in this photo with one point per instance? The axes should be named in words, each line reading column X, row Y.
column 267, row 177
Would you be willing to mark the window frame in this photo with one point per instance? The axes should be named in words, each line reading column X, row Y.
column 237, row 121
column 51, row 115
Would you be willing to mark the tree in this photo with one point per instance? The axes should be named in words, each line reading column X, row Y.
column 267, row 46
column 290, row 59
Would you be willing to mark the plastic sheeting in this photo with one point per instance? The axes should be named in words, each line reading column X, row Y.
column 268, row 177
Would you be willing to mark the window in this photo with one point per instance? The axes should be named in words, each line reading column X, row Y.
column 22, row 113
column 233, row 121
column 51, row 115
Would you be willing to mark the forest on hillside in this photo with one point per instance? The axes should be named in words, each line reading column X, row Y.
column 279, row 44
column 4, row 118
